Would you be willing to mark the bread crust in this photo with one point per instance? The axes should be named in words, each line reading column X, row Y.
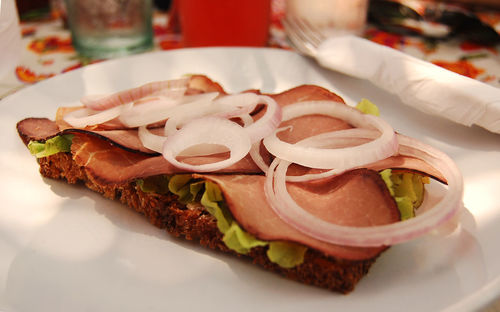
column 166, row 212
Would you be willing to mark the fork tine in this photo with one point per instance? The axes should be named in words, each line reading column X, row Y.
column 304, row 36
column 297, row 38
column 310, row 31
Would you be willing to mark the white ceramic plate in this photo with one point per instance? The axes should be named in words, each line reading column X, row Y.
column 65, row 248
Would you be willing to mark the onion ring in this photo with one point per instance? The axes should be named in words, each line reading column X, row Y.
column 266, row 124
column 151, row 141
column 207, row 130
column 333, row 139
column 130, row 95
column 338, row 158
column 84, row 117
column 159, row 110
column 381, row 235
column 223, row 107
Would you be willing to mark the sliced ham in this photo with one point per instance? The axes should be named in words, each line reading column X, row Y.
column 36, row 129
column 111, row 164
column 405, row 163
column 42, row 128
column 398, row 163
column 128, row 138
column 203, row 84
column 357, row 198
column 305, row 93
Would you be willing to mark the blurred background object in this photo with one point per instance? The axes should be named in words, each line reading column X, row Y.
column 488, row 3
column 223, row 22
column 58, row 11
column 163, row 5
column 10, row 36
column 437, row 19
column 333, row 17
column 110, row 28
column 27, row 7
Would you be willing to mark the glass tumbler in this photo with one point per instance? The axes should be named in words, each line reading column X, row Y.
column 110, row 28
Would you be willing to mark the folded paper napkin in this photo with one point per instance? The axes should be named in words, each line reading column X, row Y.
column 419, row 84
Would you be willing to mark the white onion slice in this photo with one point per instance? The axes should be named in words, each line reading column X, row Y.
column 196, row 109
column 151, row 141
column 257, row 157
column 339, row 158
column 267, row 123
column 147, row 113
column 172, row 93
column 130, row 95
column 333, row 139
column 246, row 100
column 235, row 105
column 255, row 149
column 207, row 130
column 382, row 235
column 227, row 106
column 155, row 111
column 246, row 119
column 87, row 117
column 155, row 143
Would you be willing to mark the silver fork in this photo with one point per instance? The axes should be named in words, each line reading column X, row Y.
column 305, row 37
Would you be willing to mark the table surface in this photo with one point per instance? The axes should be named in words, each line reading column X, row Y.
column 47, row 51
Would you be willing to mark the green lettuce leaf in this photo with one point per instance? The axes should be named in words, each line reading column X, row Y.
column 210, row 196
column 286, row 254
column 240, row 241
column 212, row 200
column 179, row 184
column 235, row 237
column 57, row 144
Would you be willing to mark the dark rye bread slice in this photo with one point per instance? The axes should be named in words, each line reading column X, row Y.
column 165, row 212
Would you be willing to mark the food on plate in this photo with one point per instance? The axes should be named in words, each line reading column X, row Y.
column 297, row 182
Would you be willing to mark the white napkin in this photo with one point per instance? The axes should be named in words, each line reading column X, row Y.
column 419, row 84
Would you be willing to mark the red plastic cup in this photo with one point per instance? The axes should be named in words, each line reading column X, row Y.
column 224, row 22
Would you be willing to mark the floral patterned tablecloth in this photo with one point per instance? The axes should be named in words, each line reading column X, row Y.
column 48, row 50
